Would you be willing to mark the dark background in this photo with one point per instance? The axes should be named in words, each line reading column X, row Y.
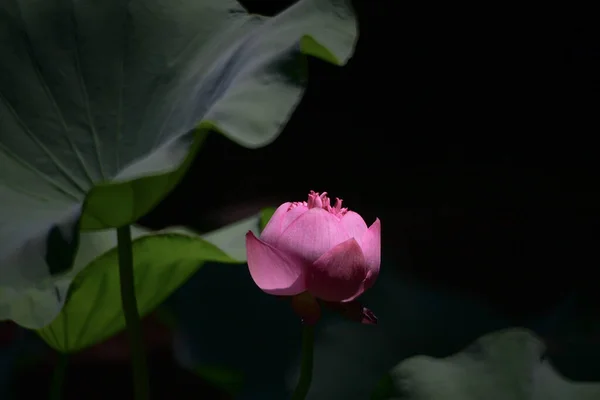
column 469, row 132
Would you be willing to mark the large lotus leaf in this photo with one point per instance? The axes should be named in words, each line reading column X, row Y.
column 163, row 261
column 103, row 105
column 503, row 365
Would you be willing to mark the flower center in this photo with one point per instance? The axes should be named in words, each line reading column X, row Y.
column 316, row 200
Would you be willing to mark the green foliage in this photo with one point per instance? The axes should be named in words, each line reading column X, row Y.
column 265, row 216
column 224, row 378
column 503, row 365
column 162, row 262
column 93, row 313
column 105, row 104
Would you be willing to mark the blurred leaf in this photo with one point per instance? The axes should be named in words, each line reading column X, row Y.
column 104, row 105
column 503, row 365
column 232, row 238
column 163, row 261
column 224, row 378
column 265, row 216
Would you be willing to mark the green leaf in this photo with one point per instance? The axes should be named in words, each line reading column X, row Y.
column 503, row 365
column 163, row 261
column 104, row 105
column 224, row 378
column 265, row 216
column 32, row 305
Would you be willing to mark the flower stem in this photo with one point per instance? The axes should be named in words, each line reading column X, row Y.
column 306, row 363
column 133, row 323
column 58, row 377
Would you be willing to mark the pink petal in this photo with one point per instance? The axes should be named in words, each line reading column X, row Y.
column 292, row 215
column 354, row 224
column 273, row 271
column 338, row 274
column 359, row 291
column 371, row 248
column 273, row 228
column 312, row 234
column 307, row 307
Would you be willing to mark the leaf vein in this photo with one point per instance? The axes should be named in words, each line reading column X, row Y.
column 52, row 99
column 18, row 159
column 86, row 97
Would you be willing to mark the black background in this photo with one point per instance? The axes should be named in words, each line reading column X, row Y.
column 469, row 131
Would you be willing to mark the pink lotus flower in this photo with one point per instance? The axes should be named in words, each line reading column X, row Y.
column 311, row 250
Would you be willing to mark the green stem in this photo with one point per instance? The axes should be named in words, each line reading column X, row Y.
column 306, row 363
column 58, row 376
column 133, row 323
